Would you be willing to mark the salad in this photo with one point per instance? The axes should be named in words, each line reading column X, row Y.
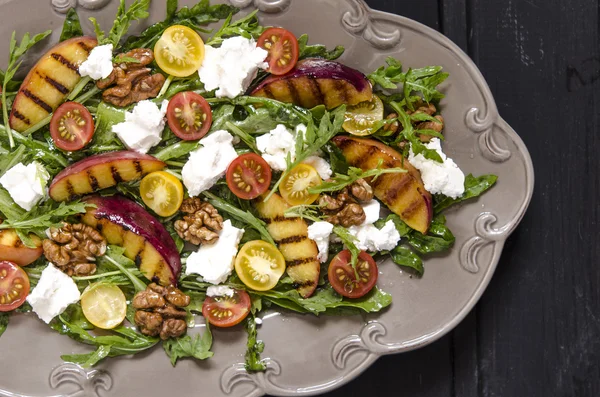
column 151, row 181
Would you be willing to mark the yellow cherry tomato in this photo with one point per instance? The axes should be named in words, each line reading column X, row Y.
column 162, row 192
column 104, row 305
column 294, row 187
column 259, row 265
column 179, row 51
column 360, row 119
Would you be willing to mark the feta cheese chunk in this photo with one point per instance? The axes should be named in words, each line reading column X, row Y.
column 369, row 238
column 208, row 163
column 143, row 126
column 53, row 293
column 445, row 178
column 231, row 67
column 26, row 184
column 321, row 165
column 275, row 146
column 214, row 262
column 219, row 290
column 319, row 232
column 372, row 209
column 99, row 64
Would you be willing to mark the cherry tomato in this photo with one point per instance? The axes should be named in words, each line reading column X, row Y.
column 283, row 50
column 226, row 311
column 71, row 126
column 342, row 276
column 14, row 286
column 361, row 118
column 162, row 192
column 104, row 305
column 259, row 265
column 179, row 51
column 294, row 186
column 189, row 116
column 248, row 176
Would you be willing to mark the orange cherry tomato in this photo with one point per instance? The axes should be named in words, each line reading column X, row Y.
column 342, row 276
column 226, row 311
column 248, row 176
column 283, row 49
column 14, row 286
column 71, row 126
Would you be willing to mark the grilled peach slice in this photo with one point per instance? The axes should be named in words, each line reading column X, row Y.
column 316, row 81
column 291, row 236
column 403, row 193
column 127, row 224
column 49, row 82
column 101, row 171
column 13, row 250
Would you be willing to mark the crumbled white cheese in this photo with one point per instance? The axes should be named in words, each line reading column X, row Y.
column 372, row 209
column 208, row 163
column 143, row 126
column 26, row 184
column 321, row 165
column 445, row 178
column 231, row 67
column 99, row 64
column 319, row 232
column 214, row 262
column 275, row 146
column 369, row 238
column 53, row 293
column 219, row 290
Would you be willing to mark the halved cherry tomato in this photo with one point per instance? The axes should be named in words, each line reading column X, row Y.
column 342, row 276
column 294, row 186
column 14, row 286
column 162, row 192
column 179, row 51
column 259, row 265
column 248, row 176
column 283, row 50
column 71, row 126
column 189, row 116
column 361, row 118
column 104, row 305
column 226, row 311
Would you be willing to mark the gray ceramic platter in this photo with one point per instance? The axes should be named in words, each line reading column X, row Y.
column 308, row 355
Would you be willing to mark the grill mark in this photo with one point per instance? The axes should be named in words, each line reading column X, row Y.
column 300, row 261
column 65, row 62
column 300, row 284
column 70, row 190
column 293, row 92
column 268, row 92
column 398, row 188
column 138, row 167
column 37, row 100
column 341, row 87
column 59, row 87
column 278, row 218
column 84, row 46
column 412, row 208
column 93, row 181
column 115, row 174
column 316, row 90
column 19, row 116
column 138, row 257
column 292, row 239
column 18, row 243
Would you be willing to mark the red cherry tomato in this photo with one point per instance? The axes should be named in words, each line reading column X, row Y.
column 226, row 311
column 14, row 286
column 343, row 277
column 189, row 116
column 248, row 176
column 283, row 50
column 71, row 126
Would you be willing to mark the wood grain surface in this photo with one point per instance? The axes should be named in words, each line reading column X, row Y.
column 536, row 330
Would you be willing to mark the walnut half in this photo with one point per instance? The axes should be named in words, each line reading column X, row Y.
column 202, row 223
column 159, row 311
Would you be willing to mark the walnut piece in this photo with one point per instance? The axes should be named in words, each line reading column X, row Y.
column 361, row 190
column 431, row 125
column 421, row 108
column 342, row 209
column 202, row 224
column 159, row 311
column 132, row 81
column 73, row 248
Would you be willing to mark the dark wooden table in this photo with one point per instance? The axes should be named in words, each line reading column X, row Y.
column 536, row 330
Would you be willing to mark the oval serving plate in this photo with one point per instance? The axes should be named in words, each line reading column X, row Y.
column 308, row 355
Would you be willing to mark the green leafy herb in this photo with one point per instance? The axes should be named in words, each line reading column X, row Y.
column 4, row 318
column 247, row 27
column 474, row 187
column 125, row 17
column 348, row 240
column 402, row 228
column 115, row 256
column 338, row 162
column 254, row 347
column 439, row 238
column 409, row 133
column 317, row 51
column 9, row 160
column 177, row 150
column 125, row 59
column 197, row 347
column 404, row 256
column 71, row 26
column 244, row 136
column 284, row 113
column 16, row 51
column 340, row 181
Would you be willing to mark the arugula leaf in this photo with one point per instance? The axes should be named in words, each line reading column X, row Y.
column 409, row 133
column 115, row 256
column 186, row 346
column 338, row 162
column 340, row 181
column 474, row 187
column 318, row 50
column 402, row 228
column 4, row 318
column 71, row 26
column 125, row 17
column 254, row 347
column 243, row 135
column 177, row 150
column 9, row 160
column 284, row 113
column 439, row 238
column 172, row 6
column 247, row 27
column 404, row 256
column 348, row 240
